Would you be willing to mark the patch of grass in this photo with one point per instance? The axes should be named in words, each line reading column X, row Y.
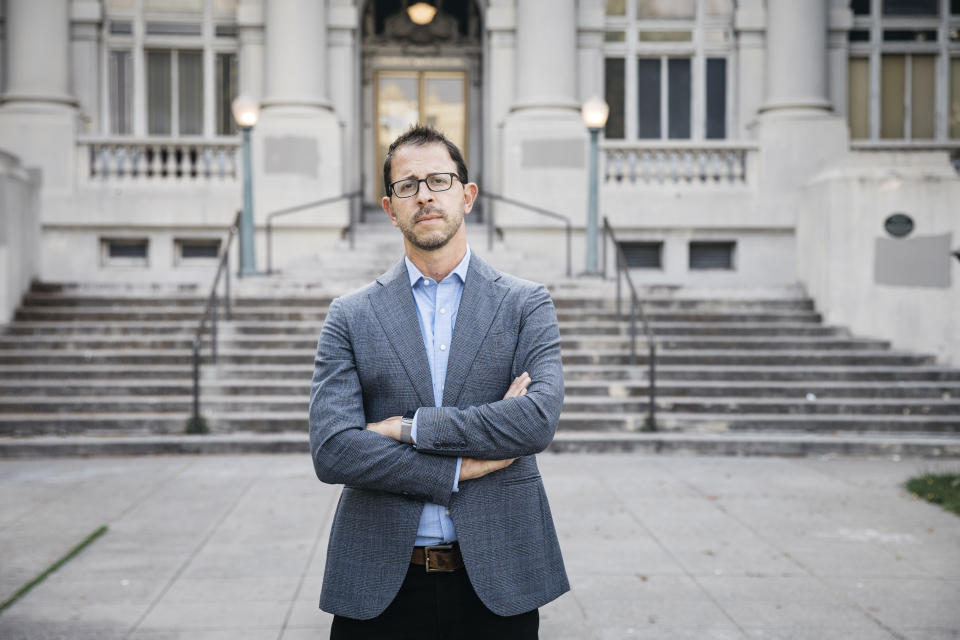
column 22, row 591
column 938, row 488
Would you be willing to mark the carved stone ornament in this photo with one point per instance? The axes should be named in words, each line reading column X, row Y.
column 399, row 28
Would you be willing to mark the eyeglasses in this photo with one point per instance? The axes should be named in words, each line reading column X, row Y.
column 435, row 182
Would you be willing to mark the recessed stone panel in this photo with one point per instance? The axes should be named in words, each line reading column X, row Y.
column 922, row 261
column 553, row 154
column 291, row 154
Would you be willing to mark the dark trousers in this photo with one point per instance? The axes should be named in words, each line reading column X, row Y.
column 437, row 606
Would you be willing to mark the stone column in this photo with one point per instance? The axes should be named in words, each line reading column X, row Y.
column 796, row 71
column 544, row 148
column 343, row 85
column 799, row 133
column 250, row 54
column 546, row 39
column 296, row 39
column 499, row 70
column 38, row 114
column 85, row 57
column 38, row 53
column 590, row 49
column 298, row 141
column 749, row 20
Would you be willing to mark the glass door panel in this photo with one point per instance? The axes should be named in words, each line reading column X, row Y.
column 397, row 108
column 403, row 98
column 442, row 105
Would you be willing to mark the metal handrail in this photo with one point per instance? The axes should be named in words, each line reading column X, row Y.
column 529, row 207
column 210, row 311
column 635, row 306
column 309, row 205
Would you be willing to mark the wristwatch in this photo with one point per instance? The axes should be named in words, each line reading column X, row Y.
column 406, row 427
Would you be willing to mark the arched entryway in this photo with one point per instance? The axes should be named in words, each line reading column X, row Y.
column 429, row 72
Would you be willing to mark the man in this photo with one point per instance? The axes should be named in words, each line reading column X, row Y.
column 434, row 387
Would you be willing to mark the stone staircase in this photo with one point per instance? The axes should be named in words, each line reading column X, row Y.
column 81, row 361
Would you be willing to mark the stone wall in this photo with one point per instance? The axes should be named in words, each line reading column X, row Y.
column 906, row 290
column 19, row 232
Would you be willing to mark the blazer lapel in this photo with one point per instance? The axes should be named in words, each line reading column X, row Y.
column 478, row 307
column 396, row 311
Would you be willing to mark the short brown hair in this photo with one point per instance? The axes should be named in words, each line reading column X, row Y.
column 419, row 135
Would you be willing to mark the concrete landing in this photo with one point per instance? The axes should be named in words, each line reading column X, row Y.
column 211, row 547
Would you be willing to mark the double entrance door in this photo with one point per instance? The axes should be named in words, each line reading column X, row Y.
column 403, row 98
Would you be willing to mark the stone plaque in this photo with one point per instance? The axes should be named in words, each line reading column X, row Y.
column 553, row 154
column 291, row 154
column 923, row 261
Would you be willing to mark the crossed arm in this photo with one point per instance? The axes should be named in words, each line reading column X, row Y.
column 487, row 437
column 471, row 468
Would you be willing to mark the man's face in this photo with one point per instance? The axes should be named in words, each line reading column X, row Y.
column 428, row 219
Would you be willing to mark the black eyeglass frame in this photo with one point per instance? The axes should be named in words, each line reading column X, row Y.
column 453, row 176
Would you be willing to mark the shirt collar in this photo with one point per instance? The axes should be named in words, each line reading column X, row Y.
column 460, row 270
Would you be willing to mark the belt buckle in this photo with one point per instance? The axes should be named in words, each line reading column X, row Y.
column 426, row 557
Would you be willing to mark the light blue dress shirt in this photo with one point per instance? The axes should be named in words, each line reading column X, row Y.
column 437, row 305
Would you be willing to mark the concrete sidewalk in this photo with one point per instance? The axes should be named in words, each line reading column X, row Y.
column 219, row 547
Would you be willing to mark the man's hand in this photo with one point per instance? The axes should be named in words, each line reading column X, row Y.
column 391, row 426
column 519, row 386
column 471, row 468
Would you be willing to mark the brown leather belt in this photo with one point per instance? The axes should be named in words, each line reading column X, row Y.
column 438, row 558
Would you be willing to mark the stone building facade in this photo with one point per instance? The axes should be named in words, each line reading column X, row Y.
column 750, row 143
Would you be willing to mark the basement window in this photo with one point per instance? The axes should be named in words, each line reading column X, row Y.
column 196, row 251
column 712, row 255
column 643, row 255
column 124, row 252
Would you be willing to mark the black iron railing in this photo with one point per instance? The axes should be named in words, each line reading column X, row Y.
column 211, row 315
column 636, row 309
column 544, row 212
column 353, row 197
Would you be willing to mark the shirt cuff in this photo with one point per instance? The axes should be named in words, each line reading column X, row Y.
column 413, row 434
column 456, row 478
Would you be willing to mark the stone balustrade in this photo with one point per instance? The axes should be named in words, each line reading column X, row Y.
column 708, row 164
column 159, row 160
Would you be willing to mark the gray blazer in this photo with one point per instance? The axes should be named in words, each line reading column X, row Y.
column 371, row 364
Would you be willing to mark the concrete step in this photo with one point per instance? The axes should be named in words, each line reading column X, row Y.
column 810, row 390
column 257, row 313
column 146, row 370
column 745, row 443
column 101, row 343
column 663, row 303
column 719, row 423
column 665, row 357
column 707, row 343
column 809, row 423
column 785, row 358
column 920, row 407
column 304, row 371
column 664, row 329
column 229, row 340
column 57, row 330
column 890, row 445
column 561, row 301
column 133, row 423
column 84, row 404
column 193, row 301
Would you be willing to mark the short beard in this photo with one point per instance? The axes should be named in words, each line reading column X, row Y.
column 436, row 239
